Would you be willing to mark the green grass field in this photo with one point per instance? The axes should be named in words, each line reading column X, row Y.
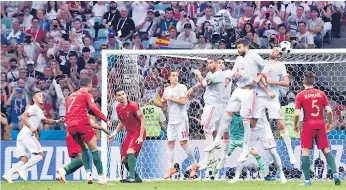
column 172, row 185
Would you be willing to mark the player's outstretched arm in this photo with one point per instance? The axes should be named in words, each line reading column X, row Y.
column 264, row 87
column 96, row 110
column 181, row 100
column 285, row 82
column 99, row 127
column 116, row 131
column 160, row 104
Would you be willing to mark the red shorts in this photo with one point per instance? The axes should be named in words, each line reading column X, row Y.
column 83, row 132
column 73, row 148
column 130, row 142
column 309, row 135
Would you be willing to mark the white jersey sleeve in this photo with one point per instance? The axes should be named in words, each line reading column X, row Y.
column 177, row 113
column 35, row 116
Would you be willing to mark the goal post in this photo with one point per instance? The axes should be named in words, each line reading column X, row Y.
column 143, row 74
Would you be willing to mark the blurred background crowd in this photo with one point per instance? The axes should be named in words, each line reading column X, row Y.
column 45, row 44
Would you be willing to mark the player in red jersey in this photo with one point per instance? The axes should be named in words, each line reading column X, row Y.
column 130, row 117
column 74, row 151
column 313, row 101
column 79, row 127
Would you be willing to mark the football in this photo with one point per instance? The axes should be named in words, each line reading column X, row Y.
column 285, row 47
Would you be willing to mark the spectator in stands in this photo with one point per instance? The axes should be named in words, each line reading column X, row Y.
column 17, row 102
column 15, row 36
column 11, row 8
column 222, row 44
column 5, row 57
column 202, row 43
column 188, row 35
column 85, row 59
column 137, row 42
column 325, row 12
column 249, row 28
column 20, row 18
column 228, row 13
column 38, row 35
column 183, row 19
column 111, row 16
column 52, row 10
column 73, row 70
column 43, row 23
column 248, row 16
column 88, row 21
column 251, row 37
column 77, row 25
column 207, row 17
column 48, row 75
column 6, row 90
column 56, row 32
column 293, row 20
column 41, row 58
column 29, row 81
column 283, row 34
column 166, row 23
column 99, row 9
column 30, row 47
column 61, row 103
column 124, row 27
column 146, row 29
column 304, row 38
column 272, row 41
column 315, row 25
column 138, row 10
column 88, row 43
column 172, row 35
column 31, row 72
column 21, row 56
column 64, row 17
column 279, row 9
column 62, row 57
column 339, row 7
column 13, row 72
column 112, row 42
column 292, row 9
column 53, row 64
column 27, row 18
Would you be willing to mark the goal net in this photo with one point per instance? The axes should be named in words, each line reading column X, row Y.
column 144, row 75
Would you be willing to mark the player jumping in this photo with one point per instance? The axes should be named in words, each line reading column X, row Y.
column 245, row 70
column 264, row 135
column 313, row 102
column 79, row 127
column 214, row 83
column 26, row 141
column 74, row 151
column 268, row 97
column 178, row 123
column 130, row 117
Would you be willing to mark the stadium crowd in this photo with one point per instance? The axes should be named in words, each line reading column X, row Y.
column 45, row 44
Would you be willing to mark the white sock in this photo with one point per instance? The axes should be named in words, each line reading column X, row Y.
column 287, row 141
column 224, row 125
column 170, row 156
column 32, row 161
column 238, row 170
column 247, row 134
column 189, row 153
column 225, row 143
column 15, row 167
column 276, row 158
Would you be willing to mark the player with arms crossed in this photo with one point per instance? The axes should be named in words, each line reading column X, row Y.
column 75, row 153
column 26, row 141
column 262, row 134
column 214, row 83
column 247, row 65
column 79, row 127
column 130, row 117
column 312, row 101
column 275, row 74
column 178, row 123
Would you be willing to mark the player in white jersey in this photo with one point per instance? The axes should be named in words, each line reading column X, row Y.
column 214, row 83
column 27, row 144
column 247, row 65
column 276, row 77
column 178, row 123
column 264, row 135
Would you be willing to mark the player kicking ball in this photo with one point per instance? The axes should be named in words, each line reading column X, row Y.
column 130, row 117
column 275, row 74
column 79, row 127
column 262, row 134
column 26, row 141
column 313, row 102
column 74, row 151
column 174, row 97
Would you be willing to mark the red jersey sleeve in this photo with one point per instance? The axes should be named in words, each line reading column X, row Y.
column 136, row 111
column 326, row 101
column 94, row 108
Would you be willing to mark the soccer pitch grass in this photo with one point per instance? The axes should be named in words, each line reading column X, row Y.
column 171, row 185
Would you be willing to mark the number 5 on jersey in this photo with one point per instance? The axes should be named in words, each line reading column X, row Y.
column 314, row 105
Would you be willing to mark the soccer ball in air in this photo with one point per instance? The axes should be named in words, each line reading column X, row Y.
column 285, row 47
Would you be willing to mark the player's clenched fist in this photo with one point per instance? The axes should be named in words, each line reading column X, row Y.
column 139, row 140
column 109, row 123
column 111, row 137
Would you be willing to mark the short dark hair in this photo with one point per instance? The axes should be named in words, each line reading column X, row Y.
column 73, row 54
column 168, row 9
column 309, row 78
column 172, row 71
column 282, row 25
column 302, row 22
column 301, row 6
column 119, row 89
column 222, row 59
column 84, row 82
column 243, row 41
column 36, row 92
column 214, row 58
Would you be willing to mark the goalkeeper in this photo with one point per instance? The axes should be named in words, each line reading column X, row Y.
column 236, row 132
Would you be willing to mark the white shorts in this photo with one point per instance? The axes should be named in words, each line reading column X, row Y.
column 28, row 146
column 273, row 106
column 210, row 118
column 264, row 136
column 178, row 131
column 242, row 101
